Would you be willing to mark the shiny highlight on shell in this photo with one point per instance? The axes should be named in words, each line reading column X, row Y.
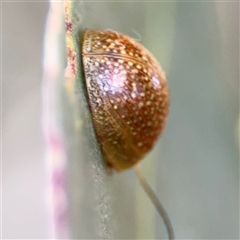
column 128, row 96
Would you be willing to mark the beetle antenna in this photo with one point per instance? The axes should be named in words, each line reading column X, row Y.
column 150, row 193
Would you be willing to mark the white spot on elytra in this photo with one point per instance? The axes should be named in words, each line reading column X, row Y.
column 144, row 58
column 140, row 104
column 133, row 95
column 149, row 123
column 138, row 66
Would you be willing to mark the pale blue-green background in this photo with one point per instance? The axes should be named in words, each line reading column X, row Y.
column 194, row 167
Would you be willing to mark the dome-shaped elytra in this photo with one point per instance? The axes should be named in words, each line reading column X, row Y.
column 115, row 44
column 128, row 96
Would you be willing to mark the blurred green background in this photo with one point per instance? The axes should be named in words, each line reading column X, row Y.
column 194, row 167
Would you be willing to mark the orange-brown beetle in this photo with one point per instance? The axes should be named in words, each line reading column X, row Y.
column 128, row 96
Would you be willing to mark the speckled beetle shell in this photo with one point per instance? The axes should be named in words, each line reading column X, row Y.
column 128, row 96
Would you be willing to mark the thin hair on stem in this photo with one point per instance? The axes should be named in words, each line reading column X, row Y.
column 150, row 193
